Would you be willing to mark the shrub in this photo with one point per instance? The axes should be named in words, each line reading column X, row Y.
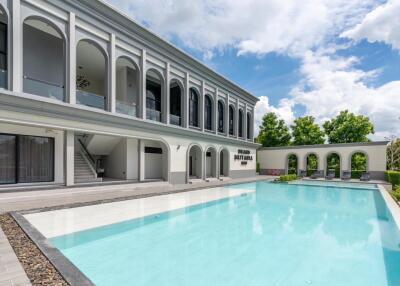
column 356, row 174
column 393, row 177
column 288, row 178
column 396, row 194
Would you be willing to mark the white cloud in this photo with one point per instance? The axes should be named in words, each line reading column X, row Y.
column 380, row 25
column 332, row 84
column 284, row 111
column 252, row 26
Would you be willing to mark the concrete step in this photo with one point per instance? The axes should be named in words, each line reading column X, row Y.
column 225, row 179
column 196, row 181
column 211, row 180
column 87, row 180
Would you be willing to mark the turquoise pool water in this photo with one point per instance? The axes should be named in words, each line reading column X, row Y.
column 278, row 235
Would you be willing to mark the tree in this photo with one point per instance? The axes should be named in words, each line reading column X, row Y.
column 273, row 131
column 348, row 128
column 393, row 154
column 306, row 132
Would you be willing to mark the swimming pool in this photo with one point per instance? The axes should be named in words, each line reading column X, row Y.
column 281, row 234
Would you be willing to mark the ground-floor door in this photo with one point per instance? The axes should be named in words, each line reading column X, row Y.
column 26, row 159
column 221, row 164
column 190, row 165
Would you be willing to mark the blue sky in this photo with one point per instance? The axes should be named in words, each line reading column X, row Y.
column 311, row 57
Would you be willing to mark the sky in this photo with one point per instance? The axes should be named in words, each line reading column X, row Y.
column 309, row 57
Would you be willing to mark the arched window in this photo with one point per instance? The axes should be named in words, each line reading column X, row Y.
column 292, row 164
column 127, row 80
column 248, row 125
column 358, row 164
column 220, row 117
column 175, row 98
column 240, row 123
column 3, row 49
column 91, row 75
column 333, row 164
column 193, row 108
column 153, row 96
column 231, row 120
column 208, row 113
column 43, row 59
column 312, row 164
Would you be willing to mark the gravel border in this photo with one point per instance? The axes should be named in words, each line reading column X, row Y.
column 37, row 267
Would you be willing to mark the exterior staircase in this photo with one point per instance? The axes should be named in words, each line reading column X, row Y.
column 82, row 172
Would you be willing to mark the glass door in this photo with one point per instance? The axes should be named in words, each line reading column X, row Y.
column 8, row 158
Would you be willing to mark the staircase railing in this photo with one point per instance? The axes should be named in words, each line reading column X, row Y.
column 88, row 157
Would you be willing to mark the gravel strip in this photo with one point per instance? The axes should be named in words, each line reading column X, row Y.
column 38, row 269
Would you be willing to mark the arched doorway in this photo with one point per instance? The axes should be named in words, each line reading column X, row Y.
column 156, row 160
column 208, row 108
column 154, row 95
column 3, row 48
column 175, row 103
column 333, row 163
column 91, row 75
column 195, row 162
column 224, row 163
column 311, row 163
column 127, row 90
column 292, row 164
column 211, row 163
column 43, row 59
column 221, row 116
column 193, row 107
column 359, row 164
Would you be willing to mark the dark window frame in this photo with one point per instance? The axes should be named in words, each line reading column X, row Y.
column 208, row 112
column 193, row 108
column 231, row 111
column 221, row 114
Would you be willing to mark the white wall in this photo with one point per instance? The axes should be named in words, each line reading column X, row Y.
column 115, row 163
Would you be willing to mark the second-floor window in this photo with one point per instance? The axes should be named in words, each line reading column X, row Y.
column 231, row 119
column 207, row 113
column 175, row 104
column 193, row 108
column 3, row 55
column 153, row 100
column 248, row 125
column 240, row 123
column 220, row 117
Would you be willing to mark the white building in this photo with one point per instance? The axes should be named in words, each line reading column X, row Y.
column 87, row 94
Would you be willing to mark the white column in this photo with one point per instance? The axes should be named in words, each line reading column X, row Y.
column 72, row 60
column 215, row 111
column 112, row 88
column 69, row 157
column 227, row 116
column 167, row 94
column 142, row 98
column 236, row 119
column 186, row 105
column 201, row 114
column 141, row 161
column 245, row 122
column 16, row 46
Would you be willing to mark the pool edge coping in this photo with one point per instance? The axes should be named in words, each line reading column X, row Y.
column 71, row 273
column 391, row 204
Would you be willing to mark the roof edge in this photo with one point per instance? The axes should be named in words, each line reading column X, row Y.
column 375, row 143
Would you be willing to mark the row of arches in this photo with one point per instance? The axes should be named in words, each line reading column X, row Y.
column 358, row 163
column 207, row 163
column 45, row 73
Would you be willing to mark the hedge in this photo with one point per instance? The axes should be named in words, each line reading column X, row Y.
column 288, row 178
column 396, row 194
column 393, row 177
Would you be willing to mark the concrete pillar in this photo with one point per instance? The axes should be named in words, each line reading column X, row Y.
column 141, row 161
column 71, row 98
column 17, row 72
column 236, row 120
column 322, row 162
column 301, row 163
column 166, row 110
column 142, row 98
column 186, row 105
column 69, row 157
column 112, row 87
column 345, row 162
column 201, row 113
column 245, row 122
column 215, row 112
column 226, row 120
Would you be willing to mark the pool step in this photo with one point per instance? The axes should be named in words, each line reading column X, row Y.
column 195, row 181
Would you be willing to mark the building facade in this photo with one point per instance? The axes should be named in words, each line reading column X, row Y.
column 87, row 94
column 352, row 157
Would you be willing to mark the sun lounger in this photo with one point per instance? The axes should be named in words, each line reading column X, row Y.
column 330, row 175
column 317, row 174
column 346, row 175
column 365, row 177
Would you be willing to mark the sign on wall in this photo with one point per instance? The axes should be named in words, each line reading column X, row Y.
column 244, row 156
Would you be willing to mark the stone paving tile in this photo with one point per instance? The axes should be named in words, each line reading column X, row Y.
column 11, row 271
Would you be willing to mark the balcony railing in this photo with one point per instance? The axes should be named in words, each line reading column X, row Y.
column 90, row 99
column 175, row 119
column 43, row 88
column 152, row 114
column 126, row 108
column 3, row 79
